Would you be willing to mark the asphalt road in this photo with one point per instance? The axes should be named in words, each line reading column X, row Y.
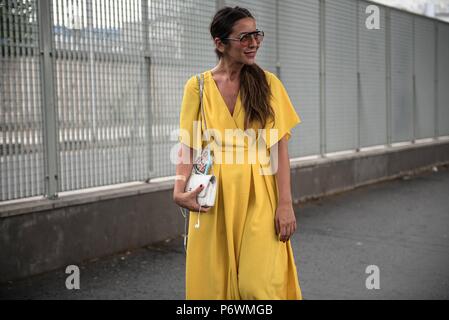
column 399, row 226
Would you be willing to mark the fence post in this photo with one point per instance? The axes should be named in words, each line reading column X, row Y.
column 220, row 4
column 147, row 88
column 388, row 75
column 436, row 128
column 359, row 85
column 323, row 147
column 278, row 59
column 49, row 112
column 414, row 80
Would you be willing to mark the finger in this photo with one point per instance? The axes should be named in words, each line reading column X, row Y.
column 198, row 189
column 289, row 232
column 292, row 230
column 196, row 207
column 283, row 232
column 194, row 193
column 276, row 225
column 205, row 209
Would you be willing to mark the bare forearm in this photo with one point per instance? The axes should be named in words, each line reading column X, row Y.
column 283, row 173
column 183, row 168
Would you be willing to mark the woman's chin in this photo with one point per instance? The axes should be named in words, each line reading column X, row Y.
column 250, row 61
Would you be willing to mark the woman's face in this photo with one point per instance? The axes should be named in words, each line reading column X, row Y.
column 235, row 50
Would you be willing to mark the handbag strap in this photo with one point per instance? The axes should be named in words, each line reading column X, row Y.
column 200, row 78
column 184, row 211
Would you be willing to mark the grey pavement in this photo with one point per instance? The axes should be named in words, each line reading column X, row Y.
column 400, row 226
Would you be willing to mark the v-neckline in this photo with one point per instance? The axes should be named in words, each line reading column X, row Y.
column 236, row 105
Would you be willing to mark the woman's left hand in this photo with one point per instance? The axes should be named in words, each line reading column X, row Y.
column 285, row 221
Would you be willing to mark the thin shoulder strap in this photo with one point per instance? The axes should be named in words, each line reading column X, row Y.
column 200, row 78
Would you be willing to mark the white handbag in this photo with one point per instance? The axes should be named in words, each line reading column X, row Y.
column 206, row 198
column 199, row 174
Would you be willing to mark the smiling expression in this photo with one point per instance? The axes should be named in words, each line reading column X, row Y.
column 234, row 49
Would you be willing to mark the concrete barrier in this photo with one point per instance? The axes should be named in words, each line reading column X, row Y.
column 40, row 235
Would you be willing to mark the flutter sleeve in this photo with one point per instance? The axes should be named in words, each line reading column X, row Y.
column 189, row 118
column 285, row 115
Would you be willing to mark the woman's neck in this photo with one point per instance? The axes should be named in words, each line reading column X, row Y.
column 230, row 70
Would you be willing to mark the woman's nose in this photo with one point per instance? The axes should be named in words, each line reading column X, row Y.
column 253, row 42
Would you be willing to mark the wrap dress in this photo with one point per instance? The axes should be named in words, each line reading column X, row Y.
column 236, row 253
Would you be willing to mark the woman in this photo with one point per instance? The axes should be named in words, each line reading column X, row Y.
column 242, row 249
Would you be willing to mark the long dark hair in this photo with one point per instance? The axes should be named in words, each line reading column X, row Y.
column 254, row 87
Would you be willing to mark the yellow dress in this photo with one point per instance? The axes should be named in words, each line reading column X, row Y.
column 236, row 254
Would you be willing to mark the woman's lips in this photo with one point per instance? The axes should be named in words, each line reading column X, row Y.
column 251, row 54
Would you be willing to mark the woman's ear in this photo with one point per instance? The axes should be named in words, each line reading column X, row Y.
column 219, row 45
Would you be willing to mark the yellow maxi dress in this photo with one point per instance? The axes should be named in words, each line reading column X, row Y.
column 236, row 254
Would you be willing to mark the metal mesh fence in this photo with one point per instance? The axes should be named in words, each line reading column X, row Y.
column 95, row 100
column 21, row 140
column 180, row 46
column 101, row 75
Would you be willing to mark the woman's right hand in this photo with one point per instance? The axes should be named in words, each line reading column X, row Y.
column 188, row 200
